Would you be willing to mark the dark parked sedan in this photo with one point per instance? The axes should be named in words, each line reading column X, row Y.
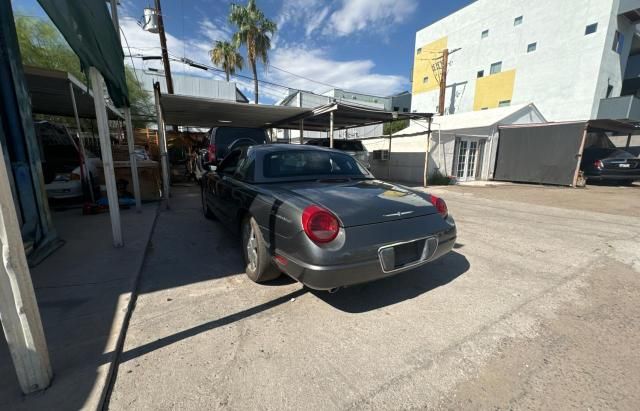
column 319, row 216
column 610, row 164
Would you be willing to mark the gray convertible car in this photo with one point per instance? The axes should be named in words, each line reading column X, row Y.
column 319, row 216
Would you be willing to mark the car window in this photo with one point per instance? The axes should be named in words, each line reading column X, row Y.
column 300, row 163
column 230, row 162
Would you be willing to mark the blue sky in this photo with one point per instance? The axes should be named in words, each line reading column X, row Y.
column 358, row 45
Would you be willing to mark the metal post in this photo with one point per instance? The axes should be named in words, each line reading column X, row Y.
column 301, row 132
column 628, row 142
column 81, row 141
column 107, row 156
column 162, row 143
column 132, row 158
column 18, row 307
column 426, row 154
column 331, row 129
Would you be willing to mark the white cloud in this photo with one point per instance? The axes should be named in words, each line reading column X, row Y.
column 354, row 75
column 357, row 15
column 215, row 30
column 309, row 14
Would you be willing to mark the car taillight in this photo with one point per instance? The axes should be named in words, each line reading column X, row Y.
column 440, row 205
column 211, row 151
column 598, row 164
column 320, row 225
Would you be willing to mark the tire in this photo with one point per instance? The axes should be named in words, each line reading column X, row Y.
column 205, row 207
column 259, row 267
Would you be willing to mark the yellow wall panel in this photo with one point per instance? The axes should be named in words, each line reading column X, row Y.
column 493, row 89
column 422, row 66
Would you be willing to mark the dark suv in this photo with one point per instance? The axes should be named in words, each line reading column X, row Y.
column 224, row 139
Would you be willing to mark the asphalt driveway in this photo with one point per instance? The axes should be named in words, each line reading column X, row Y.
column 535, row 308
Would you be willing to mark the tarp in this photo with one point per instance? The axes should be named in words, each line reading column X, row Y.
column 87, row 27
column 545, row 153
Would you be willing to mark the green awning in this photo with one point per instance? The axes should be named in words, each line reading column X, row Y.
column 87, row 27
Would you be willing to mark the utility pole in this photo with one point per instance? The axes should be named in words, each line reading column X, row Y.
column 165, row 53
column 443, row 81
column 442, row 66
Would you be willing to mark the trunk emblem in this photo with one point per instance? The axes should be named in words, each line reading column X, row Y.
column 398, row 214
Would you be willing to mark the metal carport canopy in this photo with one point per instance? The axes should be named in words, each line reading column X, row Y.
column 179, row 110
column 50, row 94
column 346, row 116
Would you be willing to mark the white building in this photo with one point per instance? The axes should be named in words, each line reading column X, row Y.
column 563, row 55
column 191, row 85
column 399, row 102
column 462, row 145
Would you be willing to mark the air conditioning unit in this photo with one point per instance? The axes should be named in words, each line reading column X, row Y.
column 382, row 155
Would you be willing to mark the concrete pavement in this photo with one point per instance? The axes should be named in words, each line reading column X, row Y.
column 529, row 291
column 83, row 292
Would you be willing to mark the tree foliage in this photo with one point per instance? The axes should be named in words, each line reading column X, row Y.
column 225, row 55
column 42, row 45
column 395, row 126
column 255, row 32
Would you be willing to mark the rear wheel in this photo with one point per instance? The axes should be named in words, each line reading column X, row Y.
column 258, row 264
column 205, row 207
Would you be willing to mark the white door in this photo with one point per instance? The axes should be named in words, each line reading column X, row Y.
column 466, row 159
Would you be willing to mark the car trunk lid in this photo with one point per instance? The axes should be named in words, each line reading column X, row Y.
column 362, row 202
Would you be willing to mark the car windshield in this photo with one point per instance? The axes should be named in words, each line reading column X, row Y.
column 311, row 163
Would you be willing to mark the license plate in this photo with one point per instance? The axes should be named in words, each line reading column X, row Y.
column 624, row 165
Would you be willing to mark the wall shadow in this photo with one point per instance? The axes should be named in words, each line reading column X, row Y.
column 398, row 288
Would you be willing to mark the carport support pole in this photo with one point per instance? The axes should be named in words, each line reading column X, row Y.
column 301, row 132
column 18, row 307
column 628, row 142
column 331, row 129
column 107, row 156
column 579, row 158
column 163, row 146
column 426, row 154
column 81, row 141
column 132, row 158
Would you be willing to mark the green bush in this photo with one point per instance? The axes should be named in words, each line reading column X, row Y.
column 438, row 179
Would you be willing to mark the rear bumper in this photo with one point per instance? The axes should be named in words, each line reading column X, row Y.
column 325, row 277
column 614, row 175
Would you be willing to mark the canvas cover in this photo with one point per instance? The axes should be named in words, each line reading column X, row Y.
column 87, row 27
column 544, row 154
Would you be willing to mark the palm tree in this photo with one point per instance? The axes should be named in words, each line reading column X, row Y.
column 255, row 32
column 225, row 55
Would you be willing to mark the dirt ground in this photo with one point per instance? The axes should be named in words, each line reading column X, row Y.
column 536, row 308
column 619, row 200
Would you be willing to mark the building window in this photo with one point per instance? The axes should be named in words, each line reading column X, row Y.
column 517, row 21
column 590, row 29
column 425, row 79
column 396, row 108
column 480, row 73
column 485, row 34
column 405, row 110
column 532, row 47
column 496, row 68
column 419, row 50
column 618, row 42
column 504, row 103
